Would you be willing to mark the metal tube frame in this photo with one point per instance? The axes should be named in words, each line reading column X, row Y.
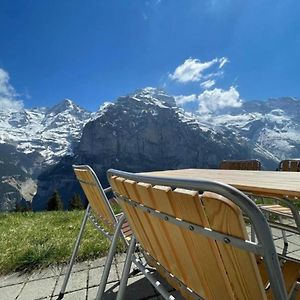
column 219, row 236
column 292, row 207
column 263, row 233
column 88, row 216
column 130, row 258
column 126, row 269
column 109, row 258
column 75, row 250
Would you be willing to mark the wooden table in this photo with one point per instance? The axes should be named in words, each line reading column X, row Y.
column 267, row 183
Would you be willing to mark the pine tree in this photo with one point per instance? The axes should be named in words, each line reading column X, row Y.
column 76, row 203
column 54, row 202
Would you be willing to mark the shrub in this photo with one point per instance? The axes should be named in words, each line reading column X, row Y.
column 54, row 202
column 76, row 203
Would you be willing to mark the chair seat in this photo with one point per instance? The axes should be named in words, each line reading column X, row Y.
column 277, row 209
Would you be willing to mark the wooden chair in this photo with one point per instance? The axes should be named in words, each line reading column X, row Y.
column 101, row 215
column 280, row 208
column 283, row 208
column 199, row 241
column 252, row 164
column 291, row 165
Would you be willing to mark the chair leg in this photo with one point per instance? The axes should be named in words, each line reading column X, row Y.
column 285, row 241
column 294, row 291
column 75, row 250
column 252, row 233
column 126, row 269
column 109, row 258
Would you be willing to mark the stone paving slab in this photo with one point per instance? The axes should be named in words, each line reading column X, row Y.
column 38, row 289
column 85, row 278
column 10, row 292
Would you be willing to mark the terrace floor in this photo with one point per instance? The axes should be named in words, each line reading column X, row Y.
column 85, row 278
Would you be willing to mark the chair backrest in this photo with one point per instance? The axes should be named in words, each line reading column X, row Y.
column 179, row 228
column 291, row 165
column 252, row 164
column 95, row 194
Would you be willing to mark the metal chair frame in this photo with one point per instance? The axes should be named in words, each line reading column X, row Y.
column 113, row 237
column 279, row 225
column 264, row 246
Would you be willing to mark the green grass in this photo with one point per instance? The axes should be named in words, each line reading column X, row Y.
column 34, row 240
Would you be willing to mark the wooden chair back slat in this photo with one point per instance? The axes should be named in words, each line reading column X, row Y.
column 184, row 267
column 133, row 216
column 240, row 265
column 92, row 192
column 253, row 164
column 151, row 237
column 207, row 262
column 160, row 251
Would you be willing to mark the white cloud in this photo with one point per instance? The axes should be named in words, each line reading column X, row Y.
column 213, row 100
column 8, row 95
column 192, row 70
column 208, row 83
column 223, row 61
column 181, row 100
column 217, row 74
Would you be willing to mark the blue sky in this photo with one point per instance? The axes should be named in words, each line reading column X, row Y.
column 217, row 52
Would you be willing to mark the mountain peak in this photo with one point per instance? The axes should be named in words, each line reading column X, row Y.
column 153, row 95
column 65, row 105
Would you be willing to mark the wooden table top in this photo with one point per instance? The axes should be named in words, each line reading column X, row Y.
column 268, row 183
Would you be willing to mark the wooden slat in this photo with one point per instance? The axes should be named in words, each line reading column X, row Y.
column 277, row 209
column 153, row 241
column 162, row 251
column 184, row 265
column 240, row 265
column 203, row 251
column 117, row 184
column 294, row 166
column 286, row 165
column 126, row 229
column 94, row 196
column 172, row 241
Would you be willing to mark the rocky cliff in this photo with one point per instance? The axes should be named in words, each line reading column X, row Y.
column 17, row 173
column 144, row 131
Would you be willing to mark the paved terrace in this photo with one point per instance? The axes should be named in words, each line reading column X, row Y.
column 85, row 278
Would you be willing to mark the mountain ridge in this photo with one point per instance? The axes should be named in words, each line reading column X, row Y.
column 48, row 131
column 143, row 131
column 133, row 129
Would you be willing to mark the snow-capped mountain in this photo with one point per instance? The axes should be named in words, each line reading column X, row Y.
column 143, row 131
column 273, row 126
column 49, row 131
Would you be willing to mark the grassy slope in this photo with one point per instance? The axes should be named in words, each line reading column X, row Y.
column 35, row 240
